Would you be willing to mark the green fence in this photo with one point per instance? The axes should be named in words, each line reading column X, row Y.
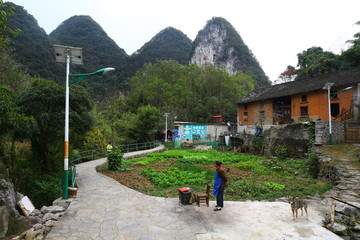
column 93, row 154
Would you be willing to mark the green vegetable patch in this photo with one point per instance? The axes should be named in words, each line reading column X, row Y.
column 250, row 177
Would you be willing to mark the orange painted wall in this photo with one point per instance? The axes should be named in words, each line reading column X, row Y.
column 317, row 103
column 344, row 99
column 253, row 110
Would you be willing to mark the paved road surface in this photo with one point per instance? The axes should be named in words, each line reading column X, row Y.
column 105, row 209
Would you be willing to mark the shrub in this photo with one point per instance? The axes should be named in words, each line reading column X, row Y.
column 247, row 189
column 48, row 188
column 281, row 152
column 258, row 145
column 313, row 164
column 115, row 160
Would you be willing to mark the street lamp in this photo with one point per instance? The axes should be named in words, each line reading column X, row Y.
column 166, row 116
column 327, row 87
column 74, row 55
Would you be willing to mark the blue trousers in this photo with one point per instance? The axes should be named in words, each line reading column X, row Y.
column 220, row 198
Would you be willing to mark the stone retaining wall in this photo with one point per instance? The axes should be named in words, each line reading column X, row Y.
column 345, row 178
column 322, row 132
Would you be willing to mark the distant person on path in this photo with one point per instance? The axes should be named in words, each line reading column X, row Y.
column 109, row 148
column 220, row 182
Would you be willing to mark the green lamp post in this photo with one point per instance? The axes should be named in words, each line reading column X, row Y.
column 67, row 54
column 79, row 77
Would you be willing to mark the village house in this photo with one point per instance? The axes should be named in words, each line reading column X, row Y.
column 301, row 101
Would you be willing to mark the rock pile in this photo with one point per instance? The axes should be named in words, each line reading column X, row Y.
column 35, row 226
column 47, row 218
column 347, row 221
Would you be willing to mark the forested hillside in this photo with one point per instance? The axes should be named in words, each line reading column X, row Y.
column 34, row 49
column 168, row 44
column 99, row 51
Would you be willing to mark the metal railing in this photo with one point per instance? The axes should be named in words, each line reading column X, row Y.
column 93, row 154
column 137, row 146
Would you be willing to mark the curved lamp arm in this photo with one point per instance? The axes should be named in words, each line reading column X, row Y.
column 80, row 77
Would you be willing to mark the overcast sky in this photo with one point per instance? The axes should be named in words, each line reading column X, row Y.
column 275, row 30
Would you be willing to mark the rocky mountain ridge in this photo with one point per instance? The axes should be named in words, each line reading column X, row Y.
column 218, row 43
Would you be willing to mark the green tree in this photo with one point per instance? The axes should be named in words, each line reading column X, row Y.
column 44, row 101
column 9, row 112
column 112, row 109
column 12, row 74
column 5, row 30
column 356, row 41
column 351, row 57
column 315, row 61
column 190, row 92
column 94, row 139
column 11, row 122
column 141, row 126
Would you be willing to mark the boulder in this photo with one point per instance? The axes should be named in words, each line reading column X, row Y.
column 53, row 209
column 347, row 210
column 30, row 235
column 8, row 196
column 356, row 227
column 37, row 226
column 50, row 223
column 339, row 229
column 4, row 221
column 50, row 216
column 62, row 202
column 356, row 235
column 43, row 209
column 36, row 212
column 24, row 223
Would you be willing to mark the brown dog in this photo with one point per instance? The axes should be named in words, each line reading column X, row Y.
column 297, row 204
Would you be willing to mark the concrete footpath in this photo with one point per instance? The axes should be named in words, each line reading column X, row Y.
column 105, row 209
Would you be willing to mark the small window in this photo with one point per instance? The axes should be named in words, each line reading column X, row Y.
column 304, row 111
column 245, row 116
column 304, row 98
column 245, row 106
column 335, row 109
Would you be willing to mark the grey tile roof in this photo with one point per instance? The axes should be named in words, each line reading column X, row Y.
column 303, row 86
